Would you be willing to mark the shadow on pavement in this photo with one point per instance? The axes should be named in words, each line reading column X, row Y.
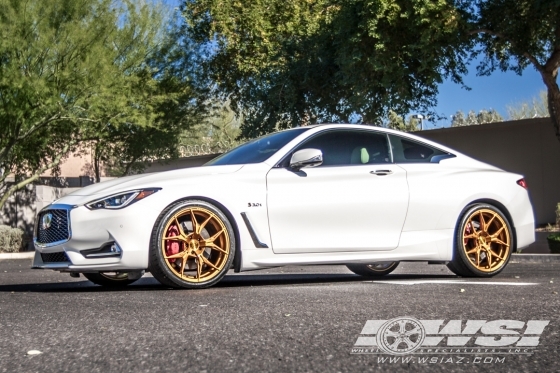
column 147, row 283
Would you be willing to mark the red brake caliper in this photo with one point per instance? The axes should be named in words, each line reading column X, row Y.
column 468, row 230
column 172, row 247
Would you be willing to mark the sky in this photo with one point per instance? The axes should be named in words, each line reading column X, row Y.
column 497, row 91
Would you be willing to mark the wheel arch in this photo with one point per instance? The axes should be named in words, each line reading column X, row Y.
column 229, row 215
column 500, row 206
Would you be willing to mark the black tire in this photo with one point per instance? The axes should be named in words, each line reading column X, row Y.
column 117, row 280
column 374, row 269
column 214, row 261
column 471, row 265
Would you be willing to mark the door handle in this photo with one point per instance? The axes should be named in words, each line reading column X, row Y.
column 381, row 172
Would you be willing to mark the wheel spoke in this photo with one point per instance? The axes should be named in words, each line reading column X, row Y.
column 179, row 226
column 395, row 344
column 211, row 239
column 402, row 326
column 498, row 231
column 413, row 331
column 194, row 222
column 198, row 269
column 174, row 238
column 408, row 342
column 206, row 261
column 175, row 256
column 201, row 226
column 482, row 222
column 183, row 265
column 497, row 255
column 390, row 333
column 472, row 235
column 478, row 258
column 215, row 247
column 489, row 257
column 473, row 250
column 500, row 242
column 491, row 220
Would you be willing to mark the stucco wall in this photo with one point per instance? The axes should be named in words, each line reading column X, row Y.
column 528, row 147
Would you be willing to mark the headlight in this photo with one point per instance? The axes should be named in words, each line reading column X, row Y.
column 121, row 200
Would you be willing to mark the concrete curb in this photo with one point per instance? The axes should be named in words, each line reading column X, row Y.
column 24, row 255
column 535, row 258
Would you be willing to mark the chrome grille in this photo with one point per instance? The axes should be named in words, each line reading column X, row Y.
column 56, row 231
column 59, row 257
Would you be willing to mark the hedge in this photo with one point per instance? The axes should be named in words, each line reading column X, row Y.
column 11, row 239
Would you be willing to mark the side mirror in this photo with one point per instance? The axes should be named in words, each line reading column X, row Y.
column 306, row 158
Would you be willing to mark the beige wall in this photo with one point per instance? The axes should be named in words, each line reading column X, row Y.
column 528, row 147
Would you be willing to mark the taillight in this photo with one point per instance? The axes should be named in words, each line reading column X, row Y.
column 522, row 183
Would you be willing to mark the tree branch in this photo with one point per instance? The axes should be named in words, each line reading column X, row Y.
column 553, row 62
column 527, row 55
column 36, row 175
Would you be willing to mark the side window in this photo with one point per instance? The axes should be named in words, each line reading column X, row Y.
column 343, row 148
column 409, row 151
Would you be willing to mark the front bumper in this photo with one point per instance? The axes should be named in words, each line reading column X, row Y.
column 129, row 229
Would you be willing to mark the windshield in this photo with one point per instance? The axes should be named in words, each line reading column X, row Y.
column 257, row 150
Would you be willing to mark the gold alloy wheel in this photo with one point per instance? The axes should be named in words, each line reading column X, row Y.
column 195, row 244
column 486, row 240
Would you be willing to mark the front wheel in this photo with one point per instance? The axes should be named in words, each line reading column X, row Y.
column 483, row 242
column 193, row 245
column 377, row 269
column 109, row 279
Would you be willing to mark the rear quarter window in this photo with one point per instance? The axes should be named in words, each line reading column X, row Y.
column 410, row 151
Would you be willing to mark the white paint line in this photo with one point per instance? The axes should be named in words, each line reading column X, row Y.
column 454, row 282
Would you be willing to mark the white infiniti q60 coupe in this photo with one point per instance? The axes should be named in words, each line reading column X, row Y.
column 362, row 196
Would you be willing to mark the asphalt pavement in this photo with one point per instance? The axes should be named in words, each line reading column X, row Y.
column 291, row 319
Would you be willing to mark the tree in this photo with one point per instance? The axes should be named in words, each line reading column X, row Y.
column 536, row 108
column 514, row 34
column 75, row 71
column 283, row 63
column 397, row 122
column 484, row 116
column 183, row 105
column 218, row 133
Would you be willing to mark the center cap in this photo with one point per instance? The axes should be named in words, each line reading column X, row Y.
column 194, row 244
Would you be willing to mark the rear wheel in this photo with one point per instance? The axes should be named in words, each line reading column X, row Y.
column 192, row 245
column 377, row 269
column 483, row 242
column 109, row 279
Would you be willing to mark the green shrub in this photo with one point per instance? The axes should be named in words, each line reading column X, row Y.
column 554, row 237
column 11, row 239
column 554, row 242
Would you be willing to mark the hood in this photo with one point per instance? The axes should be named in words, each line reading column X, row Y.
column 151, row 180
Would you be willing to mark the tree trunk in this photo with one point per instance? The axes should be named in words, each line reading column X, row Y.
column 96, row 162
column 553, row 100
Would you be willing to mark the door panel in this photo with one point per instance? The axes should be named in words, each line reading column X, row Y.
column 339, row 208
